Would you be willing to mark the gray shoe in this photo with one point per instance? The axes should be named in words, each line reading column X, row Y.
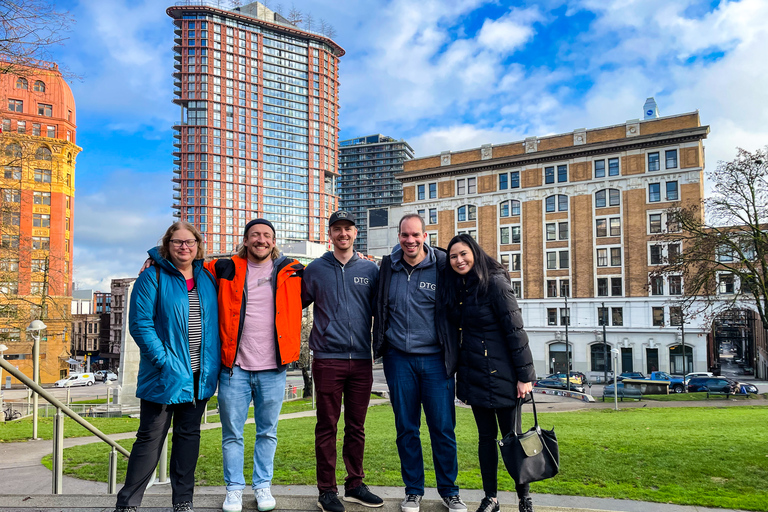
column 411, row 503
column 454, row 503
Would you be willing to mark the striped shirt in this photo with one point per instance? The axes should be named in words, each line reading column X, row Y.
column 195, row 333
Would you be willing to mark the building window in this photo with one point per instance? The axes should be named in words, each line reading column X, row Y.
column 654, row 192
column 598, row 353
column 613, row 167
column 654, row 223
column 420, row 196
column 36, row 129
column 562, row 173
column 551, row 316
column 514, row 179
column 41, row 221
column 38, row 265
column 503, row 181
column 565, row 316
column 44, row 110
column 602, row 316
column 471, row 185
column 552, row 288
column 515, row 263
column 615, row 223
column 549, row 175
column 433, row 215
column 470, row 232
column 675, row 285
column 509, row 208
column 41, row 243
column 602, row 286
column 43, row 175
column 602, row 257
column 671, row 158
column 21, row 83
column 433, row 190
column 557, row 203
column 617, row 316
column 562, row 229
column 657, row 285
column 658, row 316
column 11, row 218
column 564, row 259
column 9, row 242
column 461, row 187
column 21, row 126
column 551, row 231
column 615, row 256
column 432, row 239
column 599, row 168
column 515, row 234
column 726, row 284
column 607, row 197
column 420, row 213
column 504, row 238
column 43, row 153
column 15, row 106
column 675, row 315
column 653, row 161
column 565, row 288
column 616, row 287
column 552, row 260
column 39, row 86
column 11, row 195
column 656, row 254
column 467, row 212
column 41, row 198
column 517, row 289
column 672, row 194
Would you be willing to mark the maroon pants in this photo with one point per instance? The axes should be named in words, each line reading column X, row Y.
column 352, row 378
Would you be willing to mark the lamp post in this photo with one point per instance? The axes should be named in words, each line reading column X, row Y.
column 34, row 329
column 567, row 347
column 604, row 318
column 682, row 342
column 3, row 348
column 615, row 353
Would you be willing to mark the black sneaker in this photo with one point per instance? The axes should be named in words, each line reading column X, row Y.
column 526, row 505
column 488, row 505
column 363, row 495
column 126, row 509
column 329, row 502
column 184, row 506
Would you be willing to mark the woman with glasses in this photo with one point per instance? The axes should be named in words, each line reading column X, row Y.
column 174, row 320
column 495, row 362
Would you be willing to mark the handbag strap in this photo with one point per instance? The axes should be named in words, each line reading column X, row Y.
column 518, row 415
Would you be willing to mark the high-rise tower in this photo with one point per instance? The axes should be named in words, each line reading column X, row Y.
column 259, row 121
column 367, row 167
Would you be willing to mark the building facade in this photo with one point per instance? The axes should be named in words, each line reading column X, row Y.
column 367, row 168
column 575, row 218
column 37, row 201
column 257, row 135
column 86, row 330
column 117, row 316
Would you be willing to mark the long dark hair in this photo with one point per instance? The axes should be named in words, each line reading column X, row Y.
column 483, row 268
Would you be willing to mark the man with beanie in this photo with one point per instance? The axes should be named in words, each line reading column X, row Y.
column 342, row 286
column 260, row 329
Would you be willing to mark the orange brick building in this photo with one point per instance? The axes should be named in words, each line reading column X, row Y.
column 574, row 215
column 37, row 156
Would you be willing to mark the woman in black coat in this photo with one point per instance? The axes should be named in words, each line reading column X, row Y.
column 495, row 363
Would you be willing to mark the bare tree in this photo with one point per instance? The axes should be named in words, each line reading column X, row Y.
column 723, row 258
column 295, row 15
column 305, row 358
column 308, row 20
column 279, row 9
column 327, row 29
column 28, row 30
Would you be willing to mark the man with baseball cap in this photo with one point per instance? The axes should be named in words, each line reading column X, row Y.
column 260, row 328
column 342, row 286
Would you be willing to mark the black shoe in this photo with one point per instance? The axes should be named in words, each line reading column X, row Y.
column 488, row 505
column 526, row 505
column 329, row 502
column 363, row 495
column 184, row 506
column 125, row 509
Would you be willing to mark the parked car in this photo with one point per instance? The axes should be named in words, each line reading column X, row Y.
column 558, row 384
column 713, row 384
column 621, row 392
column 631, row 375
column 576, row 377
column 105, row 375
column 76, row 379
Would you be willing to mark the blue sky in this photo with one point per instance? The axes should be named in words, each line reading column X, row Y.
column 442, row 74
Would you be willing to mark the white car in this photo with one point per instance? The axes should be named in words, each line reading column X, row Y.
column 692, row 375
column 76, row 379
column 105, row 375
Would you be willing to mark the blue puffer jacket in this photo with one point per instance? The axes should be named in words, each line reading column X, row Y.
column 160, row 330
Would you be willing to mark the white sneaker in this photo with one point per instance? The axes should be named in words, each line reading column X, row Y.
column 264, row 499
column 233, row 502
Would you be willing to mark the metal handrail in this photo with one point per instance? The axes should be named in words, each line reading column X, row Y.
column 58, row 433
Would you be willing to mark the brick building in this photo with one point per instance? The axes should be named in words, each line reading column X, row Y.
column 37, row 156
column 573, row 217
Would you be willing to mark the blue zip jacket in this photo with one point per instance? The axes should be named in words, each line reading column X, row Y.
column 160, row 329
column 343, row 312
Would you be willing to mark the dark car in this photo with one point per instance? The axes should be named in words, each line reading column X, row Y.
column 713, row 384
column 558, row 384
column 621, row 392
column 632, row 375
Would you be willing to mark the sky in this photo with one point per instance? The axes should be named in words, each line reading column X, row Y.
column 441, row 74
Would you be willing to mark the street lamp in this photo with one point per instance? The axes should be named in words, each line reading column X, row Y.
column 3, row 348
column 34, row 329
column 615, row 353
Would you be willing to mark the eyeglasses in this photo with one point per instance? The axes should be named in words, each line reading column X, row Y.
column 189, row 243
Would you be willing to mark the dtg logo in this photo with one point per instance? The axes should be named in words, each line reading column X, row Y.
column 428, row 286
column 362, row 280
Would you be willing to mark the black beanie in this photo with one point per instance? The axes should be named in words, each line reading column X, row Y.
column 258, row 221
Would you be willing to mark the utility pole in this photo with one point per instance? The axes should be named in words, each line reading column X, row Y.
column 604, row 319
column 567, row 346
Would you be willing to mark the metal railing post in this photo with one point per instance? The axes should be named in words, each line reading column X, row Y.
column 58, row 452
column 112, row 477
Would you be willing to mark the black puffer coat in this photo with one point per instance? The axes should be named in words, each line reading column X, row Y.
column 494, row 353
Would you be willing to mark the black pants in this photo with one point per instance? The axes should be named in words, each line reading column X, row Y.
column 487, row 448
column 154, row 423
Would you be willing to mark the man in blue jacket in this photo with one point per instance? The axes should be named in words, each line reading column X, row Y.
column 419, row 350
column 342, row 285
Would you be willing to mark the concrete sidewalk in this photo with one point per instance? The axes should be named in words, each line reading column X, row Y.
column 25, row 484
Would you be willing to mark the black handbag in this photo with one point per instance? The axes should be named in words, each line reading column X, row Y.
column 531, row 456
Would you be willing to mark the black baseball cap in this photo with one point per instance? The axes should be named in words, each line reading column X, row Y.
column 258, row 221
column 340, row 215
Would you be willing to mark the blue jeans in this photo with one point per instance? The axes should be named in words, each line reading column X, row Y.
column 266, row 388
column 417, row 381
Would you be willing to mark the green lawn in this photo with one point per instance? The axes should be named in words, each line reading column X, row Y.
column 698, row 396
column 21, row 430
column 716, row 457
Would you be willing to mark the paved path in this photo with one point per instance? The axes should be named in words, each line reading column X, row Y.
column 25, row 484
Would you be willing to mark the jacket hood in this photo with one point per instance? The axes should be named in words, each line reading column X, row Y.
column 166, row 264
column 330, row 258
column 397, row 256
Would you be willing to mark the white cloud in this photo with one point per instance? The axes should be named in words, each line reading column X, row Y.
column 508, row 33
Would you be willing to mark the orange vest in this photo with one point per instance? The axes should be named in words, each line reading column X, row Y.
column 286, row 286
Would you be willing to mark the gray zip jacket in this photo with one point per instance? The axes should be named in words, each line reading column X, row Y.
column 343, row 297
